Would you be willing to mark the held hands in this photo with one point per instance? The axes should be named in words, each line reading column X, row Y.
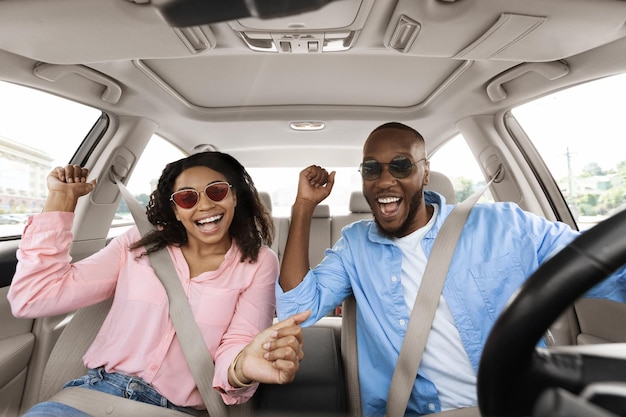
column 273, row 357
column 66, row 185
column 315, row 184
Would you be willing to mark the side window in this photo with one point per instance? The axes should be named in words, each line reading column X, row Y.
column 579, row 133
column 143, row 181
column 38, row 131
column 282, row 185
column 456, row 161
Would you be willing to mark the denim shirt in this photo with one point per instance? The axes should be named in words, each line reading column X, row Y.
column 501, row 245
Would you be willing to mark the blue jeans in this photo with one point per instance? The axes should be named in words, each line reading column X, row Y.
column 111, row 383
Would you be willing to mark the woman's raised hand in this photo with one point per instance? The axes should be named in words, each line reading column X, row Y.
column 66, row 185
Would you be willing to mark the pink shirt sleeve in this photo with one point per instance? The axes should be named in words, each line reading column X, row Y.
column 45, row 282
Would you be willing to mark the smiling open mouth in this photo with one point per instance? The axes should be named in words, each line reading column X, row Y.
column 212, row 219
column 389, row 205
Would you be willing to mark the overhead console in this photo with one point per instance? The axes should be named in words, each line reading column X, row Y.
column 333, row 28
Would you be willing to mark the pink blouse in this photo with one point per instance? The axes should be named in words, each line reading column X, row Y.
column 231, row 305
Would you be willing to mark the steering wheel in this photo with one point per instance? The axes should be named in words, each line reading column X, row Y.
column 513, row 372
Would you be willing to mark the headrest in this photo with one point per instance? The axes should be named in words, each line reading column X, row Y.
column 267, row 200
column 358, row 203
column 321, row 210
column 442, row 184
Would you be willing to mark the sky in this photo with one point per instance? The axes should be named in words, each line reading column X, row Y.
column 58, row 121
column 592, row 133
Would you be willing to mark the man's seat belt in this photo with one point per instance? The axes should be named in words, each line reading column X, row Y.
column 420, row 321
column 194, row 348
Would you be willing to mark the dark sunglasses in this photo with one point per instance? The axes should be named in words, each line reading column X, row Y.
column 400, row 167
column 187, row 199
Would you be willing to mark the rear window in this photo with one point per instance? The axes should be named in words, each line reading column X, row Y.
column 282, row 185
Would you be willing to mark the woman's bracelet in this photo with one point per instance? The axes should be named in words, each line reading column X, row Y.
column 232, row 373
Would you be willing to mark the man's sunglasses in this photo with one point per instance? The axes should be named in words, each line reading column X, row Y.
column 400, row 167
column 187, row 199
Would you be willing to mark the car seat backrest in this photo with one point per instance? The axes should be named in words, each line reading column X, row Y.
column 359, row 210
column 441, row 184
column 66, row 359
column 267, row 200
column 358, row 204
column 281, row 226
column 588, row 321
column 319, row 388
column 320, row 238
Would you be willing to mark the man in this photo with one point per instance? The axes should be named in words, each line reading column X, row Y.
column 382, row 261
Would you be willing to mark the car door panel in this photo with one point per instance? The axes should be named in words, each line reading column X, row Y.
column 16, row 338
column 598, row 320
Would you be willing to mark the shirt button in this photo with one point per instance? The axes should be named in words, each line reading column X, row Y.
column 153, row 368
column 402, row 322
column 394, row 278
column 431, row 407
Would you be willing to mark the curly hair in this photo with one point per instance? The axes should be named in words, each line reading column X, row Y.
column 252, row 224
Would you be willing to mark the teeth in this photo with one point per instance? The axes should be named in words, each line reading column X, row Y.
column 210, row 219
column 388, row 200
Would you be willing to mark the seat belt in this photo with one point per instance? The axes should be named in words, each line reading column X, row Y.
column 101, row 404
column 349, row 355
column 421, row 318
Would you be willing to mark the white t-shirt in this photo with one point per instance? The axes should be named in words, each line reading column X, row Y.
column 444, row 362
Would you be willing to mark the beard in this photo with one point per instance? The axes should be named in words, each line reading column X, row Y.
column 414, row 204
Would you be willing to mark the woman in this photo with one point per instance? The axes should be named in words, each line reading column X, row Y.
column 209, row 217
